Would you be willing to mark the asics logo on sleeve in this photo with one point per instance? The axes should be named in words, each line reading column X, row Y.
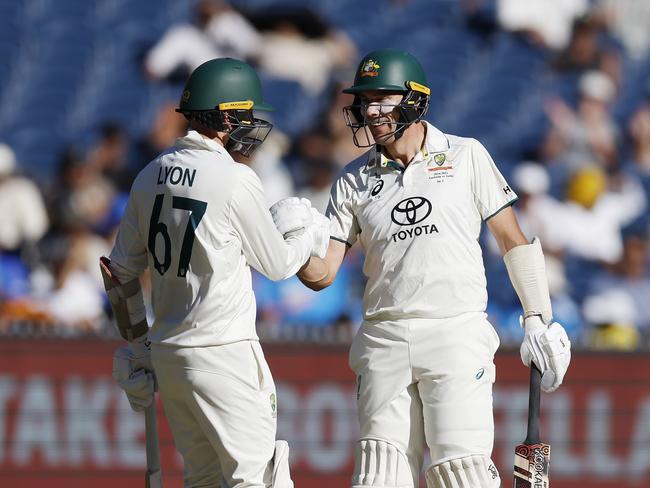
column 411, row 211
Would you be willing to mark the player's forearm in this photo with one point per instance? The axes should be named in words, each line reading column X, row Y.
column 315, row 274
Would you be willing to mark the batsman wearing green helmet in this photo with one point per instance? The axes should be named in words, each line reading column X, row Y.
column 423, row 357
column 198, row 221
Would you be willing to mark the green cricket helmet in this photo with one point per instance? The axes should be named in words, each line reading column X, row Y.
column 392, row 71
column 222, row 94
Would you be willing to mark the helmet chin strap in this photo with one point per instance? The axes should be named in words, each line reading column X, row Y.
column 399, row 132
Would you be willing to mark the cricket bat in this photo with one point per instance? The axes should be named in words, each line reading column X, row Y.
column 153, row 476
column 532, row 458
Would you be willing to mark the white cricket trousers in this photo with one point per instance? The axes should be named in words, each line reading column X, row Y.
column 221, row 406
column 427, row 380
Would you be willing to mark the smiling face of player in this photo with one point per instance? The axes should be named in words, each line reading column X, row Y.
column 381, row 114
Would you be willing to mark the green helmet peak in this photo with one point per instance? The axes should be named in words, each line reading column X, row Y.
column 390, row 70
column 219, row 83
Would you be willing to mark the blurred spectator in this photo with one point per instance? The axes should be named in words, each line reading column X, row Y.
column 289, row 304
column 320, row 175
column 588, row 224
column 586, row 50
column 81, row 197
column 168, row 125
column 297, row 45
column 109, row 156
column 327, row 143
column 267, row 162
column 629, row 21
column 537, row 210
column 546, row 22
column 218, row 31
column 24, row 217
column 541, row 215
column 639, row 160
column 628, row 281
column 71, row 296
column 587, row 135
column 599, row 208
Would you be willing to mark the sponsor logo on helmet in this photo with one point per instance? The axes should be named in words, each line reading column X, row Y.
column 186, row 96
column 411, row 211
column 370, row 68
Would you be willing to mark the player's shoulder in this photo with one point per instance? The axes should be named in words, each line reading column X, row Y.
column 143, row 177
column 462, row 142
column 242, row 174
column 466, row 148
column 357, row 169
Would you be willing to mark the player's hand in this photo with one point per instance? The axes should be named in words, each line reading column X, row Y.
column 320, row 230
column 133, row 372
column 549, row 348
column 291, row 215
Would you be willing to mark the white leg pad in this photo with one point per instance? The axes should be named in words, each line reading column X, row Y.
column 467, row 472
column 277, row 473
column 381, row 465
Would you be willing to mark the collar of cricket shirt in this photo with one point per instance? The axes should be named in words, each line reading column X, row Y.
column 433, row 149
column 435, row 145
column 194, row 140
column 386, row 162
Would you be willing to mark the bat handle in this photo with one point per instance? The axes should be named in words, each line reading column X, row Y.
column 154, row 475
column 532, row 435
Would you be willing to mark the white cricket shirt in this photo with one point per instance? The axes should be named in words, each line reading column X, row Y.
column 197, row 220
column 419, row 226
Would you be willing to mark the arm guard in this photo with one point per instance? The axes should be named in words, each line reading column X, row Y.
column 127, row 303
column 527, row 271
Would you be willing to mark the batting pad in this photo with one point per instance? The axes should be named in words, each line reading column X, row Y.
column 467, row 472
column 380, row 464
column 278, row 469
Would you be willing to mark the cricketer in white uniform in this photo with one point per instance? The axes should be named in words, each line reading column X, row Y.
column 198, row 220
column 424, row 353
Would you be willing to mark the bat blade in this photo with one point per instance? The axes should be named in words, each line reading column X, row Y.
column 532, row 465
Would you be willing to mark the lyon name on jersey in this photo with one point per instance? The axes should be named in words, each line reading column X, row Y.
column 198, row 220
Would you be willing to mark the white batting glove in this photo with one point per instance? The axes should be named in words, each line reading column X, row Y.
column 133, row 372
column 291, row 215
column 320, row 230
column 549, row 348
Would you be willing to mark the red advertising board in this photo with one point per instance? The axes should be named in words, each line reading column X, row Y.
column 64, row 423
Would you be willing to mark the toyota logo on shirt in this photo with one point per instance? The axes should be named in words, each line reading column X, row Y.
column 411, row 211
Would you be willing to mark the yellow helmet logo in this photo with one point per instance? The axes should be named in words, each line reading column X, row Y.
column 186, row 96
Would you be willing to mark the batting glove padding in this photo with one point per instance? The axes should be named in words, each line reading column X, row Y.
column 133, row 373
column 549, row 348
column 320, row 229
column 291, row 215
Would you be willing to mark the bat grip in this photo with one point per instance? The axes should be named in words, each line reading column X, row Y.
column 532, row 435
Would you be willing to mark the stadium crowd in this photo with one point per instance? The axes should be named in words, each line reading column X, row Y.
column 575, row 146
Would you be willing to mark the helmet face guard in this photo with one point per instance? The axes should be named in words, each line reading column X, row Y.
column 412, row 108
column 245, row 132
